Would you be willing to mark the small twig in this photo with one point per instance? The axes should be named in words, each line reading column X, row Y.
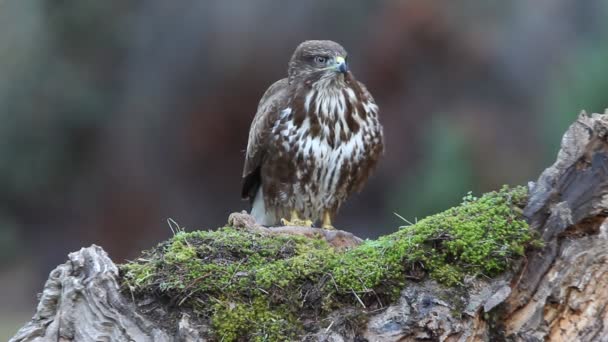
column 404, row 219
column 378, row 299
column 132, row 294
column 359, row 299
column 362, row 283
column 304, row 298
column 172, row 223
column 522, row 272
column 334, row 281
column 233, row 274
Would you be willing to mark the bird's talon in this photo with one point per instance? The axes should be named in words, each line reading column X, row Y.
column 328, row 227
column 296, row 223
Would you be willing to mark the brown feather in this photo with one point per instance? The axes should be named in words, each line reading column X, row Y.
column 310, row 156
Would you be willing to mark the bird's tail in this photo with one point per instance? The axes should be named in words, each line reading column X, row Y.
column 259, row 212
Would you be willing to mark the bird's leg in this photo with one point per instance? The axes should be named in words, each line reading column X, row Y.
column 296, row 221
column 327, row 220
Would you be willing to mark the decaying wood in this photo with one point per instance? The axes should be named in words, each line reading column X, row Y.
column 560, row 292
column 81, row 302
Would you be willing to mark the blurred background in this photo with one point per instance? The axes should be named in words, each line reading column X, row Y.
column 117, row 115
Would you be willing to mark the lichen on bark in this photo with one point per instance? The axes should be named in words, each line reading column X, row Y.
column 248, row 283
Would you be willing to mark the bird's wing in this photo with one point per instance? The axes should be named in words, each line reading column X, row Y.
column 368, row 96
column 266, row 115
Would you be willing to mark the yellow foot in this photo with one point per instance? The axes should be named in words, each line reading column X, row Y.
column 327, row 221
column 296, row 222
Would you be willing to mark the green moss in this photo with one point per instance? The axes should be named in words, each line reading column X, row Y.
column 252, row 284
column 256, row 320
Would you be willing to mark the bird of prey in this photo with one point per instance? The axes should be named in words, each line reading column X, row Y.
column 314, row 140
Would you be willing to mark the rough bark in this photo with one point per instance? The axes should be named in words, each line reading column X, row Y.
column 559, row 293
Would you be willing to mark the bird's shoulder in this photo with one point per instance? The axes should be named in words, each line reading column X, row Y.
column 275, row 92
column 362, row 89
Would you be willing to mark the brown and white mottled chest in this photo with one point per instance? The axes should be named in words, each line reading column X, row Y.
column 325, row 142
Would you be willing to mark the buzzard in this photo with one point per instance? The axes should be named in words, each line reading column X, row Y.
column 314, row 140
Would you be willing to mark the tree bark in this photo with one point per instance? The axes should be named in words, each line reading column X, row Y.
column 559, row 292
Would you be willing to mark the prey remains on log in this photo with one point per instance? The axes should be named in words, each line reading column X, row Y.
column 314, row 140
column 461, row 275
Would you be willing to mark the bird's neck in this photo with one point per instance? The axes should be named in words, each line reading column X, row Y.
column 329, row 101
column 329, row 111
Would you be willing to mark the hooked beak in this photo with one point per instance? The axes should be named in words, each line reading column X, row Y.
column 341, row 65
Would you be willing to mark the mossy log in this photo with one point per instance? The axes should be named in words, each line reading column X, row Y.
column 528, row 263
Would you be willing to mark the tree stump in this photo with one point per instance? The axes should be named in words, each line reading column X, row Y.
column 558, row 292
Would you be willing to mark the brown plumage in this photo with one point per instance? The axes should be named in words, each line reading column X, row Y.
column 314, row 140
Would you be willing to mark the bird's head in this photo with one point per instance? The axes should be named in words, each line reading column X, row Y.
column 316, row 60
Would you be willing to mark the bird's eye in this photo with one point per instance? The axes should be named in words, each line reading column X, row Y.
column 320, row 59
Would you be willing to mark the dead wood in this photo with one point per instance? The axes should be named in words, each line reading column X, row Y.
column 559, row 292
